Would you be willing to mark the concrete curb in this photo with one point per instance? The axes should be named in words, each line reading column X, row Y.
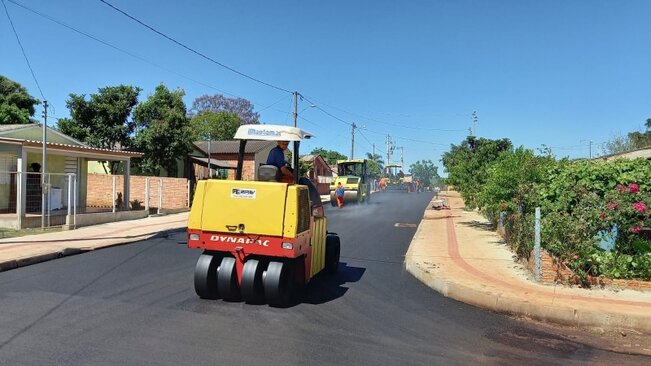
column 497, row 302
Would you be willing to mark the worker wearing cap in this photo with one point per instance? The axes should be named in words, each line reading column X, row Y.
column 276, row 157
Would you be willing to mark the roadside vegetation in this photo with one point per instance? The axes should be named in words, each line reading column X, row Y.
column 595, row 214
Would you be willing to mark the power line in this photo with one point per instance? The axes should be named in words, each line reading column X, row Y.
column 326, row 112
column 190, row 48
column 136, row 56
column 23, row 50
column 392, row 124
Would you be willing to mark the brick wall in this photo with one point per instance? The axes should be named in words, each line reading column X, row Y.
column 553, row 271
column 100, row 190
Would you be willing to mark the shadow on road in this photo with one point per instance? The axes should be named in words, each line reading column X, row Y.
column 324, row 288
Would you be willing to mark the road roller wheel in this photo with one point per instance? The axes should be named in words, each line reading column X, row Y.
column 332, row 254
column 278, row 282
column 205, row 276
column 227, row 280
column 251, row 286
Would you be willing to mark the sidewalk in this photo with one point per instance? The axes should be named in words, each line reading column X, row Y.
column 455, row 254
column 26, row 250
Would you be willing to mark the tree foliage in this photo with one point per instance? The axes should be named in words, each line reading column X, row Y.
column 330, row 156
column 467, row 164
column 218, row 103
column 102, row 120
column 425, row 171
column 641, row 139
column 164, row 132
column 375, row 165
column 632, row 141
column 215, row 126
column 16, row 105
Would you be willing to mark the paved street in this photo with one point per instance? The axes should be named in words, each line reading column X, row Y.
column 135, row 305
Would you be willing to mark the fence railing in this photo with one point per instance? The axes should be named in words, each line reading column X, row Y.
column 29, row 199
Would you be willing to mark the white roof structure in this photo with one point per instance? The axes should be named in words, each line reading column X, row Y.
column 271, row 133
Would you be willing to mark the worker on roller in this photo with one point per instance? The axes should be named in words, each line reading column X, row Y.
column 276, row 157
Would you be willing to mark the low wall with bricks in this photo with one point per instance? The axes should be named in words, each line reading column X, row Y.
column 100, row 191
column 554, row 271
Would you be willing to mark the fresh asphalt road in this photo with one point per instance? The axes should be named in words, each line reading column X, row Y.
column 135, row 305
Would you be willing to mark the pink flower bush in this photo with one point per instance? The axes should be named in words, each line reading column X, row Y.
column 611, row 206
column 635, row 229
column 621, row 188
column 633, row 188
column 639, row 207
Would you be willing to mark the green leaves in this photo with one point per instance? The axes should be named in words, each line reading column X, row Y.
column 16, row 105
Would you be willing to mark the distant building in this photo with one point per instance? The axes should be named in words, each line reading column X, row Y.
column 320, row 173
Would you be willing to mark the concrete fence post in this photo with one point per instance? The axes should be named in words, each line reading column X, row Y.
column 160, row 195
column 74, row 206
column 536, row 247
column 113, row 196
column 147, row 195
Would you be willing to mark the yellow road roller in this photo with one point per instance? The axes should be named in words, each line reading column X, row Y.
column 353, row 175
column 260, row 238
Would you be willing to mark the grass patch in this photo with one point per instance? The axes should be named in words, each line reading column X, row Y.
column 11, row 233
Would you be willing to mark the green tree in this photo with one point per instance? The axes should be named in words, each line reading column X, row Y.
column 425, row 171
column 216, row 126
column 467, row 164
column 164, row 133
column 102, row 120
column 641, row 139
column 16, row 105
column 375, row 165
column 330, row 156
column 512, row 182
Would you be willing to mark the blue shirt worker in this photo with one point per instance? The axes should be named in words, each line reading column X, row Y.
column 276, row 157
column 340, row 195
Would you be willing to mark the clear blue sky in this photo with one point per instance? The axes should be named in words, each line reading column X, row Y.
column 559, row 73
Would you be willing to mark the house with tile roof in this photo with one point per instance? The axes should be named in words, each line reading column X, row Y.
column 21, row 167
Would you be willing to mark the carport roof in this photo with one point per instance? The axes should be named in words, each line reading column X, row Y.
column 79, row 150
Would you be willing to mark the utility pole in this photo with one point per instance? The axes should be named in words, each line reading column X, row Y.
column 374, row 150
column 590, row 149
column 388, row 149
column 402, row 159
column 44, row 165
column 474, row 123
column 352, row 146
column 295, row 107
column 209, row 153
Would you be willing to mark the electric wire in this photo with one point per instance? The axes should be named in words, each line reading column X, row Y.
column 29, row 65
column 190, row 48
column 391, row 124
column 134, row 55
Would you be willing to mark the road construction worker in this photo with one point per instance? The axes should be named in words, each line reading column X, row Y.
column 339, row 192
column 276, row 157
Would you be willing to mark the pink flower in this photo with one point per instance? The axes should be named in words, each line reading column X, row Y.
column 611, row 206
column 603, row 215
column 575, row 257
column 503, row 206
column 635, row 229
column 633, row 188
column 639, row 207
column 621, row 188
